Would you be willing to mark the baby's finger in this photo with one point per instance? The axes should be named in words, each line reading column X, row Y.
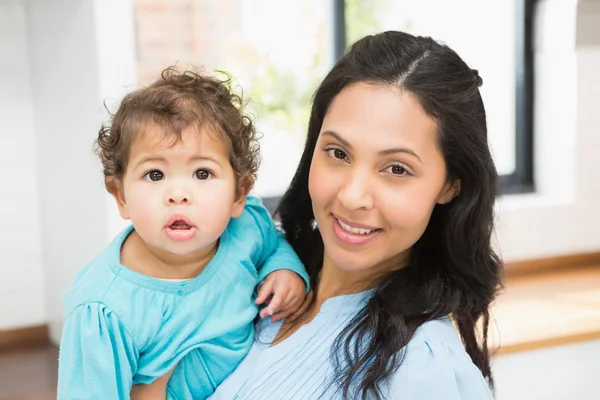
column 264, row 313
column 281, row 315
column 264, row 292
column 275, row 303
column 268, row 311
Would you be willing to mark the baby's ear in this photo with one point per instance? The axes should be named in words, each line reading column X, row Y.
column 244, row 185
column 115, row 188
column 238, row 205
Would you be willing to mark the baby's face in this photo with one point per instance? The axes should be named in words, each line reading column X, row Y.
column 179, row 195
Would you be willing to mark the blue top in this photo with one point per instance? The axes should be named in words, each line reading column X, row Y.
column 124, row 328
column 435, row 367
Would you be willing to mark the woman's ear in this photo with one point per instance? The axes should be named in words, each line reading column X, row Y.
column 115, row 188
column 450, row 190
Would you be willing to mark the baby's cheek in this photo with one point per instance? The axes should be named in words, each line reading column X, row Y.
column 145, row 213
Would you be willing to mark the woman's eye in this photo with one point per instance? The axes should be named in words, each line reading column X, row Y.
column 398, row 169
column 202, row 174
column 338, row 154
column 154, row 176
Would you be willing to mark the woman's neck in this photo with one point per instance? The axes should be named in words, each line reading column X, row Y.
column 332, row 282
column 335, row 281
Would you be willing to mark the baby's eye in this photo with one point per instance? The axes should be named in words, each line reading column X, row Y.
column 202, row 174
column 154, row 176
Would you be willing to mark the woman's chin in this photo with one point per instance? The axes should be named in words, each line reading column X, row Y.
column 350, row 262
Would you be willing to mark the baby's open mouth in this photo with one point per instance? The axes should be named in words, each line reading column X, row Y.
column 180, row 225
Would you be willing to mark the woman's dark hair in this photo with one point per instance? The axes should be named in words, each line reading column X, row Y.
column 452, row 268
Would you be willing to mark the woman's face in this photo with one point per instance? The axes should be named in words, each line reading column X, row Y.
column 375, row 177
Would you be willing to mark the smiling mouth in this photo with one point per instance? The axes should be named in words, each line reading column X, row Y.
column 356, row 231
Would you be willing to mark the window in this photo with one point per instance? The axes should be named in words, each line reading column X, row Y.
column 278, row 51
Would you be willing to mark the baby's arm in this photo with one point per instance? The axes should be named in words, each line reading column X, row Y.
column 97, row 358
column 280, row 271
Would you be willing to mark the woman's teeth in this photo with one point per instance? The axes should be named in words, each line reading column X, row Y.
column 356, row 231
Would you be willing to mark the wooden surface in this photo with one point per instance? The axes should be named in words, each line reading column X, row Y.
column 29, row 374
column 551, row 264
column 545, row 310
column 23, row 338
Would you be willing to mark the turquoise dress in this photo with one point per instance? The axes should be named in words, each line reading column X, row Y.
column 124, row 328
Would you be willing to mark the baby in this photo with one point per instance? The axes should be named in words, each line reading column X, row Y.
column 177, row 288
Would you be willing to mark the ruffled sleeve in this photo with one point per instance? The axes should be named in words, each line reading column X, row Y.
column 97, row 358
column 436, row 367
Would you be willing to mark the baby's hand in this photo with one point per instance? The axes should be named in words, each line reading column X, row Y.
column 288, row 292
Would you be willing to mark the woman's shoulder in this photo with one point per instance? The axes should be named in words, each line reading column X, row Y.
column 436, row 366
column 437, row 331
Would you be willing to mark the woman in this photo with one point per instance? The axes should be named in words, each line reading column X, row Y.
column 391, row 211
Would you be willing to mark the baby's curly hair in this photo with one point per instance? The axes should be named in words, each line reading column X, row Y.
column 175, row 101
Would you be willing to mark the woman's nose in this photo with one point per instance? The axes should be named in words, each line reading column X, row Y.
column 356, row 192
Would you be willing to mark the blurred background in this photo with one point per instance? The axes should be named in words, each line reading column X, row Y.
column 63, row 60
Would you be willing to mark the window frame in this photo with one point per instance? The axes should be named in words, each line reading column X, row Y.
column 522, row 179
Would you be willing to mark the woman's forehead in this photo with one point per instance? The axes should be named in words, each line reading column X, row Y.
column 379, row 117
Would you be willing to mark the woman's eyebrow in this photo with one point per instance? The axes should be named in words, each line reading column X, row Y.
column 404, row 150
column 386, row 152
column 338, row 138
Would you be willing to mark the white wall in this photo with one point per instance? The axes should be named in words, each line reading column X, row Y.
column 21, row 274
column 72, row 73
column 64, row 75
column 563, row 216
